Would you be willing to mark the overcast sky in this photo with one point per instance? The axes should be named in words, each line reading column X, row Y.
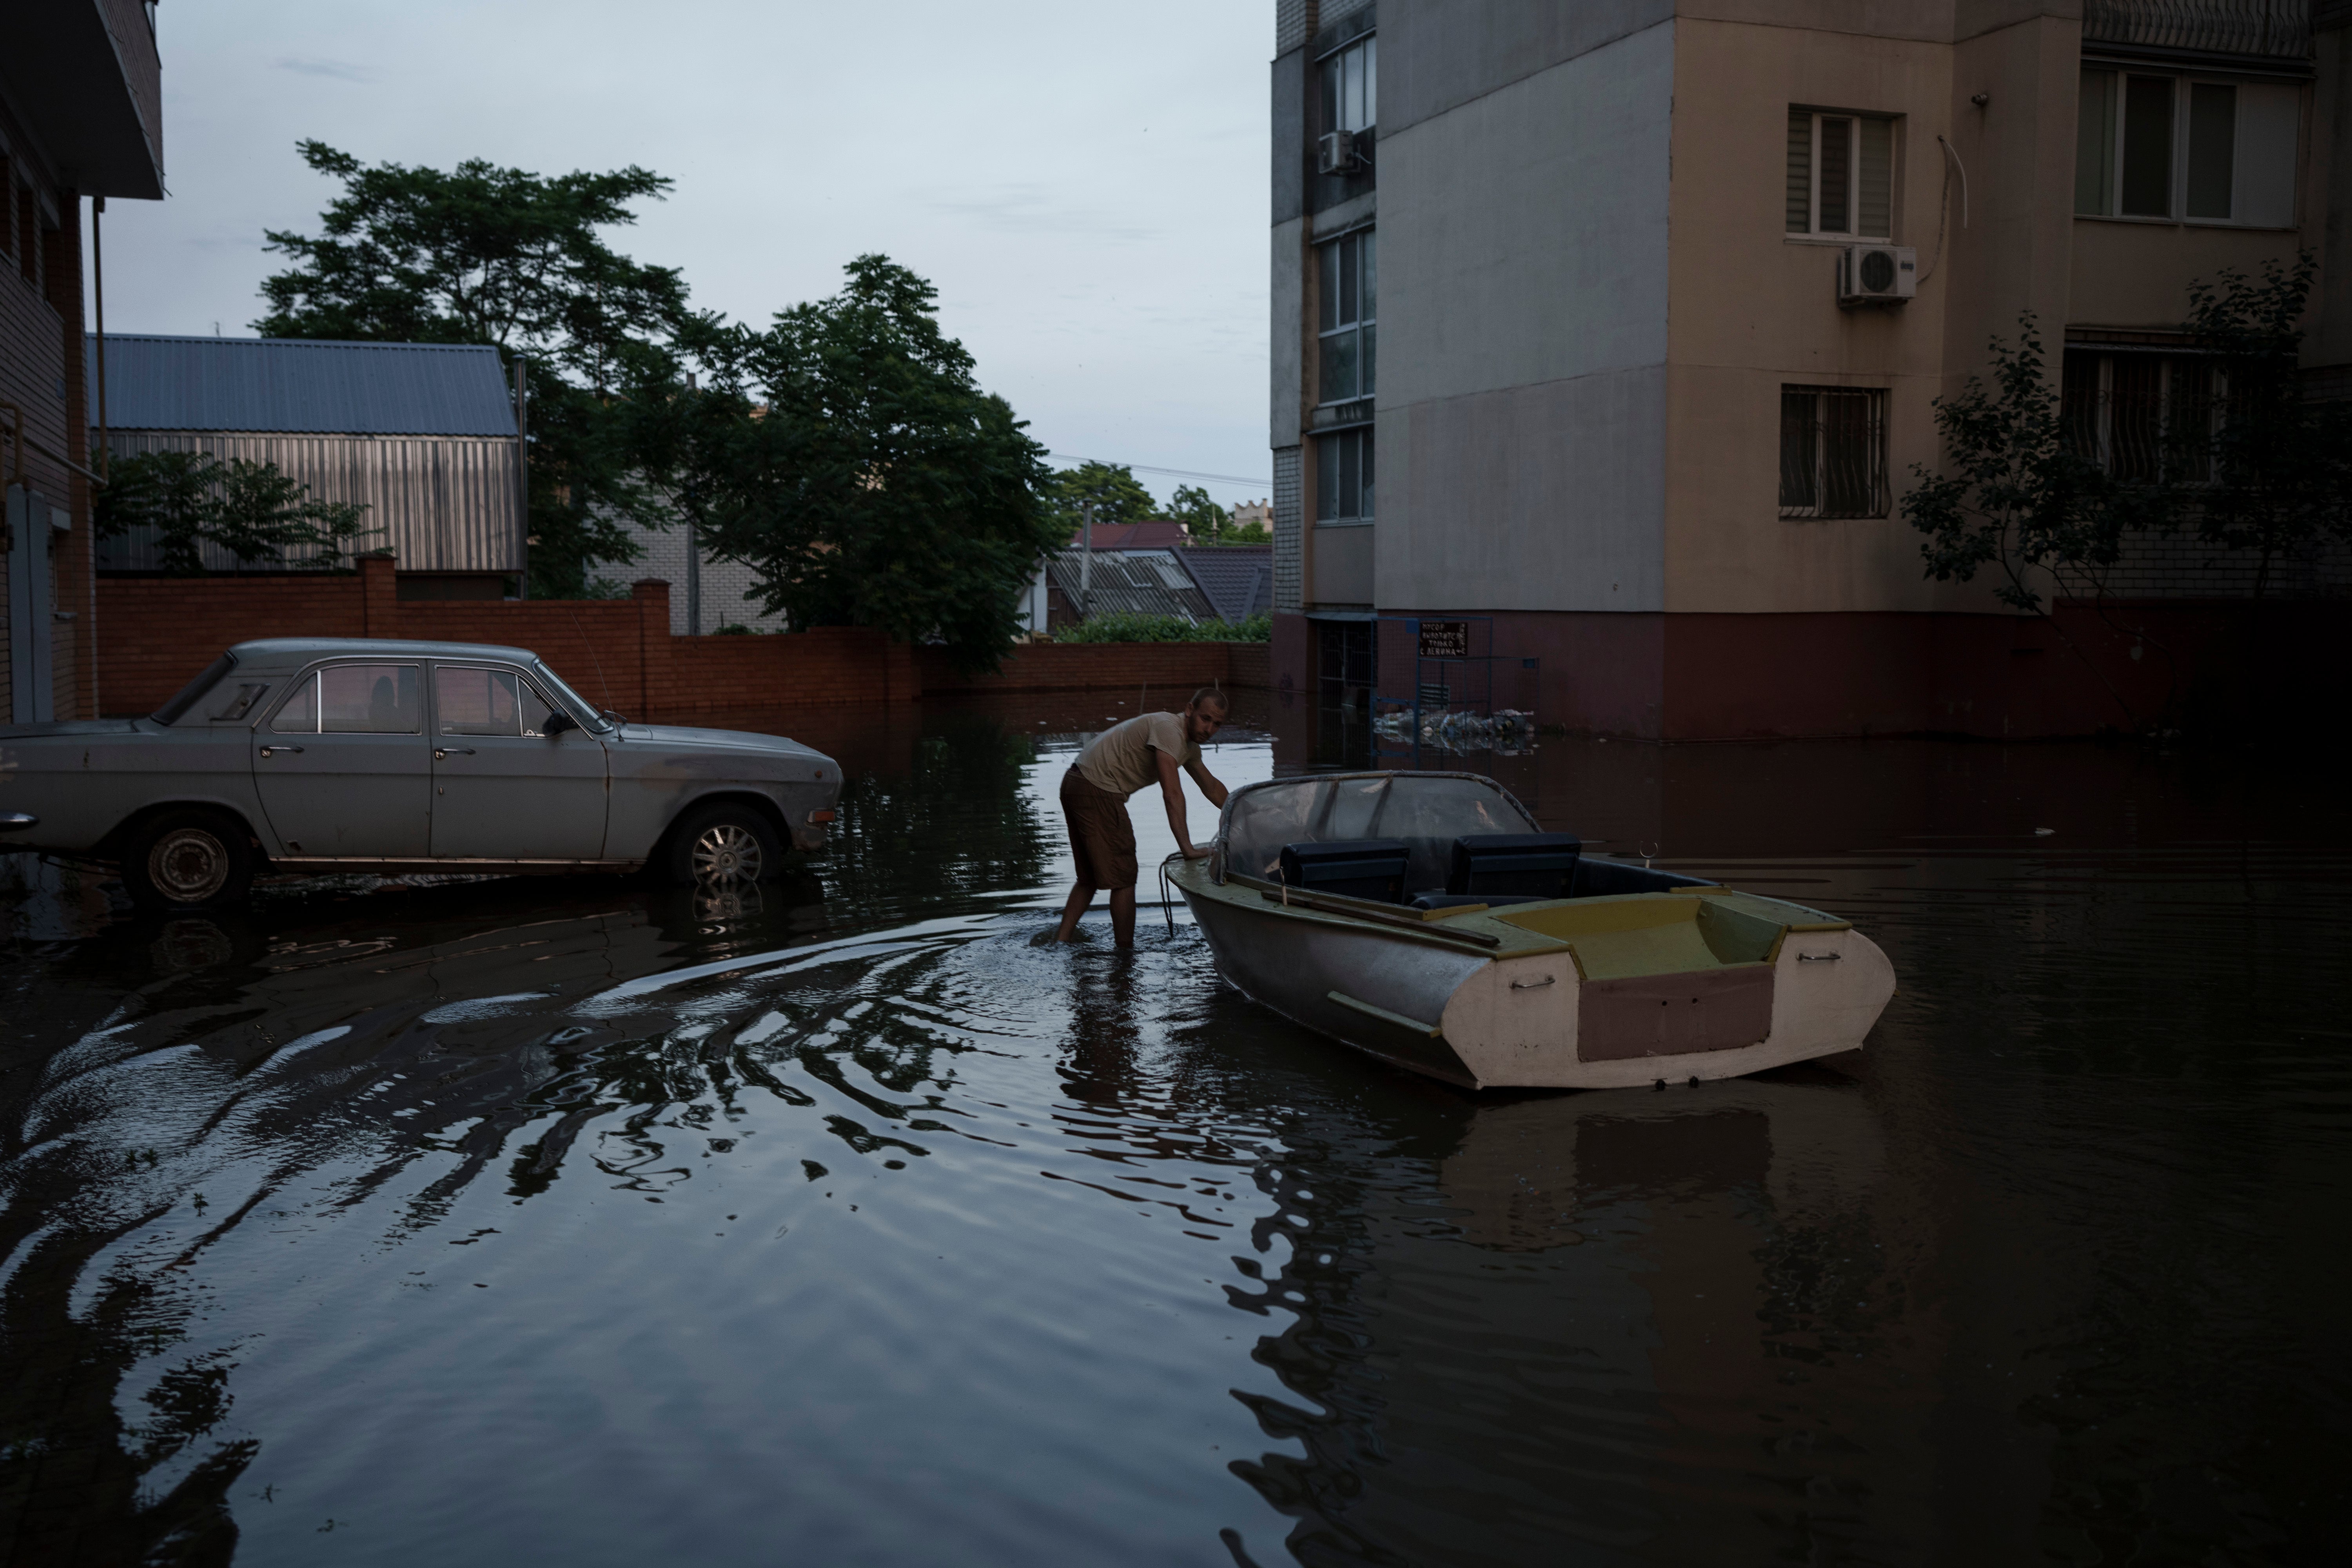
column 1084, row 184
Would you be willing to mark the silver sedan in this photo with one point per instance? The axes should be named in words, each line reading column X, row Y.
column 330, row 754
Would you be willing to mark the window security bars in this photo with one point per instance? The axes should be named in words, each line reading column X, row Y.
column 1833, row 451
column 1348, row 281
column 2142, row 417
column 1841, row 174
column 2277, row 28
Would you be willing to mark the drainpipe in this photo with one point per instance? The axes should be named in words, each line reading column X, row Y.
column 522, row 466
column 693, row 547
column 97, row 276
column 1087, row 568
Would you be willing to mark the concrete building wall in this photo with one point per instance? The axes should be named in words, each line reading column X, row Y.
column 1524, row 325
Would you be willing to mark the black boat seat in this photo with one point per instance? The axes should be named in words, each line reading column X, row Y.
column 1357, row 867
column 1491, row 866
column 1438, row 899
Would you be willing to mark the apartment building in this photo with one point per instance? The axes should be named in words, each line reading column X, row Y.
column 80, row 117
column 1620, row 323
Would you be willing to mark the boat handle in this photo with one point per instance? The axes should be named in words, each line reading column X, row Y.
column 1532, row 984
column 271, row 750
column 443, row 753
column 1818, row 957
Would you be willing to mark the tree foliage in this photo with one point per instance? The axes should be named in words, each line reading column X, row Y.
column 2017, row 498
column 848, row 456
column 1117, row 494
column 1203, row 518
column 480, row 254
column 254, row 511
column 2282, row 464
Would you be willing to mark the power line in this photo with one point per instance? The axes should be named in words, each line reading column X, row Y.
column 1260, row 483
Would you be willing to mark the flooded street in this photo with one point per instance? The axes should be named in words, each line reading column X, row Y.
column 588, row 1222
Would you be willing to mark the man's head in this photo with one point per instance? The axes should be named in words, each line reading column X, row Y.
column 1205, row 713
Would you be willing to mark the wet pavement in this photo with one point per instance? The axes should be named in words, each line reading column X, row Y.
column 587, row 1222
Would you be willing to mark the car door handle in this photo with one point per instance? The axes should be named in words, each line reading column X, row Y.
column 272, row 751
column 443, row 753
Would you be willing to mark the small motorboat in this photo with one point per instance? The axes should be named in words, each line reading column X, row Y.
column 1426, row 918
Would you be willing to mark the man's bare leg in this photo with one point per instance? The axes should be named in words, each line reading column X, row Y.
column 1122, row 916
column 1081, row 897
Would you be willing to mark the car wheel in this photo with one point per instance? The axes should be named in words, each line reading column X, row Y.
column 721, row 844
column 188, row 861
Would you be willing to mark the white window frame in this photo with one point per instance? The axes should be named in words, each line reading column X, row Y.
column 1365, row 46
column 1365, row 320
column 1854, row 119
column 2177, row 190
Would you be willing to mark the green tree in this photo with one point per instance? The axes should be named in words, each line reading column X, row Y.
column 255, row 511
column 848, row 456
column 1207, row 519
column 2017, row 497
column 483, row 254
column 2281, row 463
column 1117, row 496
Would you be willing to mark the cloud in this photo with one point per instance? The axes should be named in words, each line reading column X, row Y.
column 1035, row 209
column 341, row 70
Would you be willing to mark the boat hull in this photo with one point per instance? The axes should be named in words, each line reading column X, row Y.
column 1436, row 1004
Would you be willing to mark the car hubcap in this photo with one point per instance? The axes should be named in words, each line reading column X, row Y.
column 188, row 865
column 726, row 853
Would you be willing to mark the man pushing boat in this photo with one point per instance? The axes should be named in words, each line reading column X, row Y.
column 1123, row 758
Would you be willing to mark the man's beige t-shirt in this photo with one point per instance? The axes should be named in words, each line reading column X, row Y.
column 1120, row 759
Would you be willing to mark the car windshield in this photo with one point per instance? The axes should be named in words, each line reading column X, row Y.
column 1427, row 811
column 190, row 694
column 584, row 710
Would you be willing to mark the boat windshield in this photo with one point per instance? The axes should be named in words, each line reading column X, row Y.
column 1427, row 811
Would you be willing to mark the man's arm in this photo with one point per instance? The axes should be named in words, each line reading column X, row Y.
column 1172, row 793
column 1208, row 782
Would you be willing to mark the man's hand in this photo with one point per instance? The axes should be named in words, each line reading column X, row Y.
column 1192, row 854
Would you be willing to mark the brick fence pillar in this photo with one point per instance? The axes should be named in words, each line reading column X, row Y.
column 654, row 655
column 379, row 596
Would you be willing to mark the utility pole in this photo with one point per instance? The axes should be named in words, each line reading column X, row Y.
column 1086, row 567
column 693, row 545
column 98, row 276
column 523, row 467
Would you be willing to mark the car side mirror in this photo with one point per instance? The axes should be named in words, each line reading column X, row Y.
column 557, row 722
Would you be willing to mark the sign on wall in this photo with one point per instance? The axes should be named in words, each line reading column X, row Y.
column 1446, row 639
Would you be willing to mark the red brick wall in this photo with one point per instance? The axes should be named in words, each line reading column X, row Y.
column 157, row 632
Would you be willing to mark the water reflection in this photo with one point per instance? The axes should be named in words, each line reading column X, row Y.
column 586, row 1221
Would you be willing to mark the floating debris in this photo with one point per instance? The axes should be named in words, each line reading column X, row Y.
column 1507, row 729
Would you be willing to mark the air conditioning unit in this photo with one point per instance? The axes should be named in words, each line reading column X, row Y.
column 1877, row 274
column 1336, row 152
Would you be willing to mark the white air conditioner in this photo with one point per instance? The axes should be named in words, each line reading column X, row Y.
column 1877, row 274
column 1336, row 152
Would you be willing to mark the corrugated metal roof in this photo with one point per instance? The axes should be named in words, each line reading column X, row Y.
column 1140, row 582
column 301, row 387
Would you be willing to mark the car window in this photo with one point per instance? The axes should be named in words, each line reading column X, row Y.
column 535, row 710
column 371, row 699
column 171, row 712
column 299, row 714
column 469, row 701
column 582, row 709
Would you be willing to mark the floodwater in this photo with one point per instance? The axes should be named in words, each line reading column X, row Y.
column 589, row 1223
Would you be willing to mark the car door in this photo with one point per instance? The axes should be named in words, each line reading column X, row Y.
column 342, row 766
column 503, row 787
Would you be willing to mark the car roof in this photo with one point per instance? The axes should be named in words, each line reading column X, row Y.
column 267, row 653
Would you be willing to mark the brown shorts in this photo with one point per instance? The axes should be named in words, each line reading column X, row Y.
column 1102, row 839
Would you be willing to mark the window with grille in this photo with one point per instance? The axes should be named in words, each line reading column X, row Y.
column 1347, row 278
column 1833, row 451
column 2141, row 417
column 1841, row 174
column 1343, row 475
column 2173, row 147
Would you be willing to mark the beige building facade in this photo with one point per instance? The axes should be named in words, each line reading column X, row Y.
column 1566, row 333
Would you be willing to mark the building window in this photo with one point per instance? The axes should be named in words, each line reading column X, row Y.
column 1833, row 451
column 1351, row 86
column 1841, row 174
column 2173, row 147
column 1347, row 278
column 2141, row 417
column 1343, row 475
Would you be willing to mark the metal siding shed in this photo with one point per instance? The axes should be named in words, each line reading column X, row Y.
column 298, row 386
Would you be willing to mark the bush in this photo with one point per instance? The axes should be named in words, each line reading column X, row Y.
column 1129, row 626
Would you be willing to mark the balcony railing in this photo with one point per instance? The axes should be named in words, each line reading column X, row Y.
column 2276, row 29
